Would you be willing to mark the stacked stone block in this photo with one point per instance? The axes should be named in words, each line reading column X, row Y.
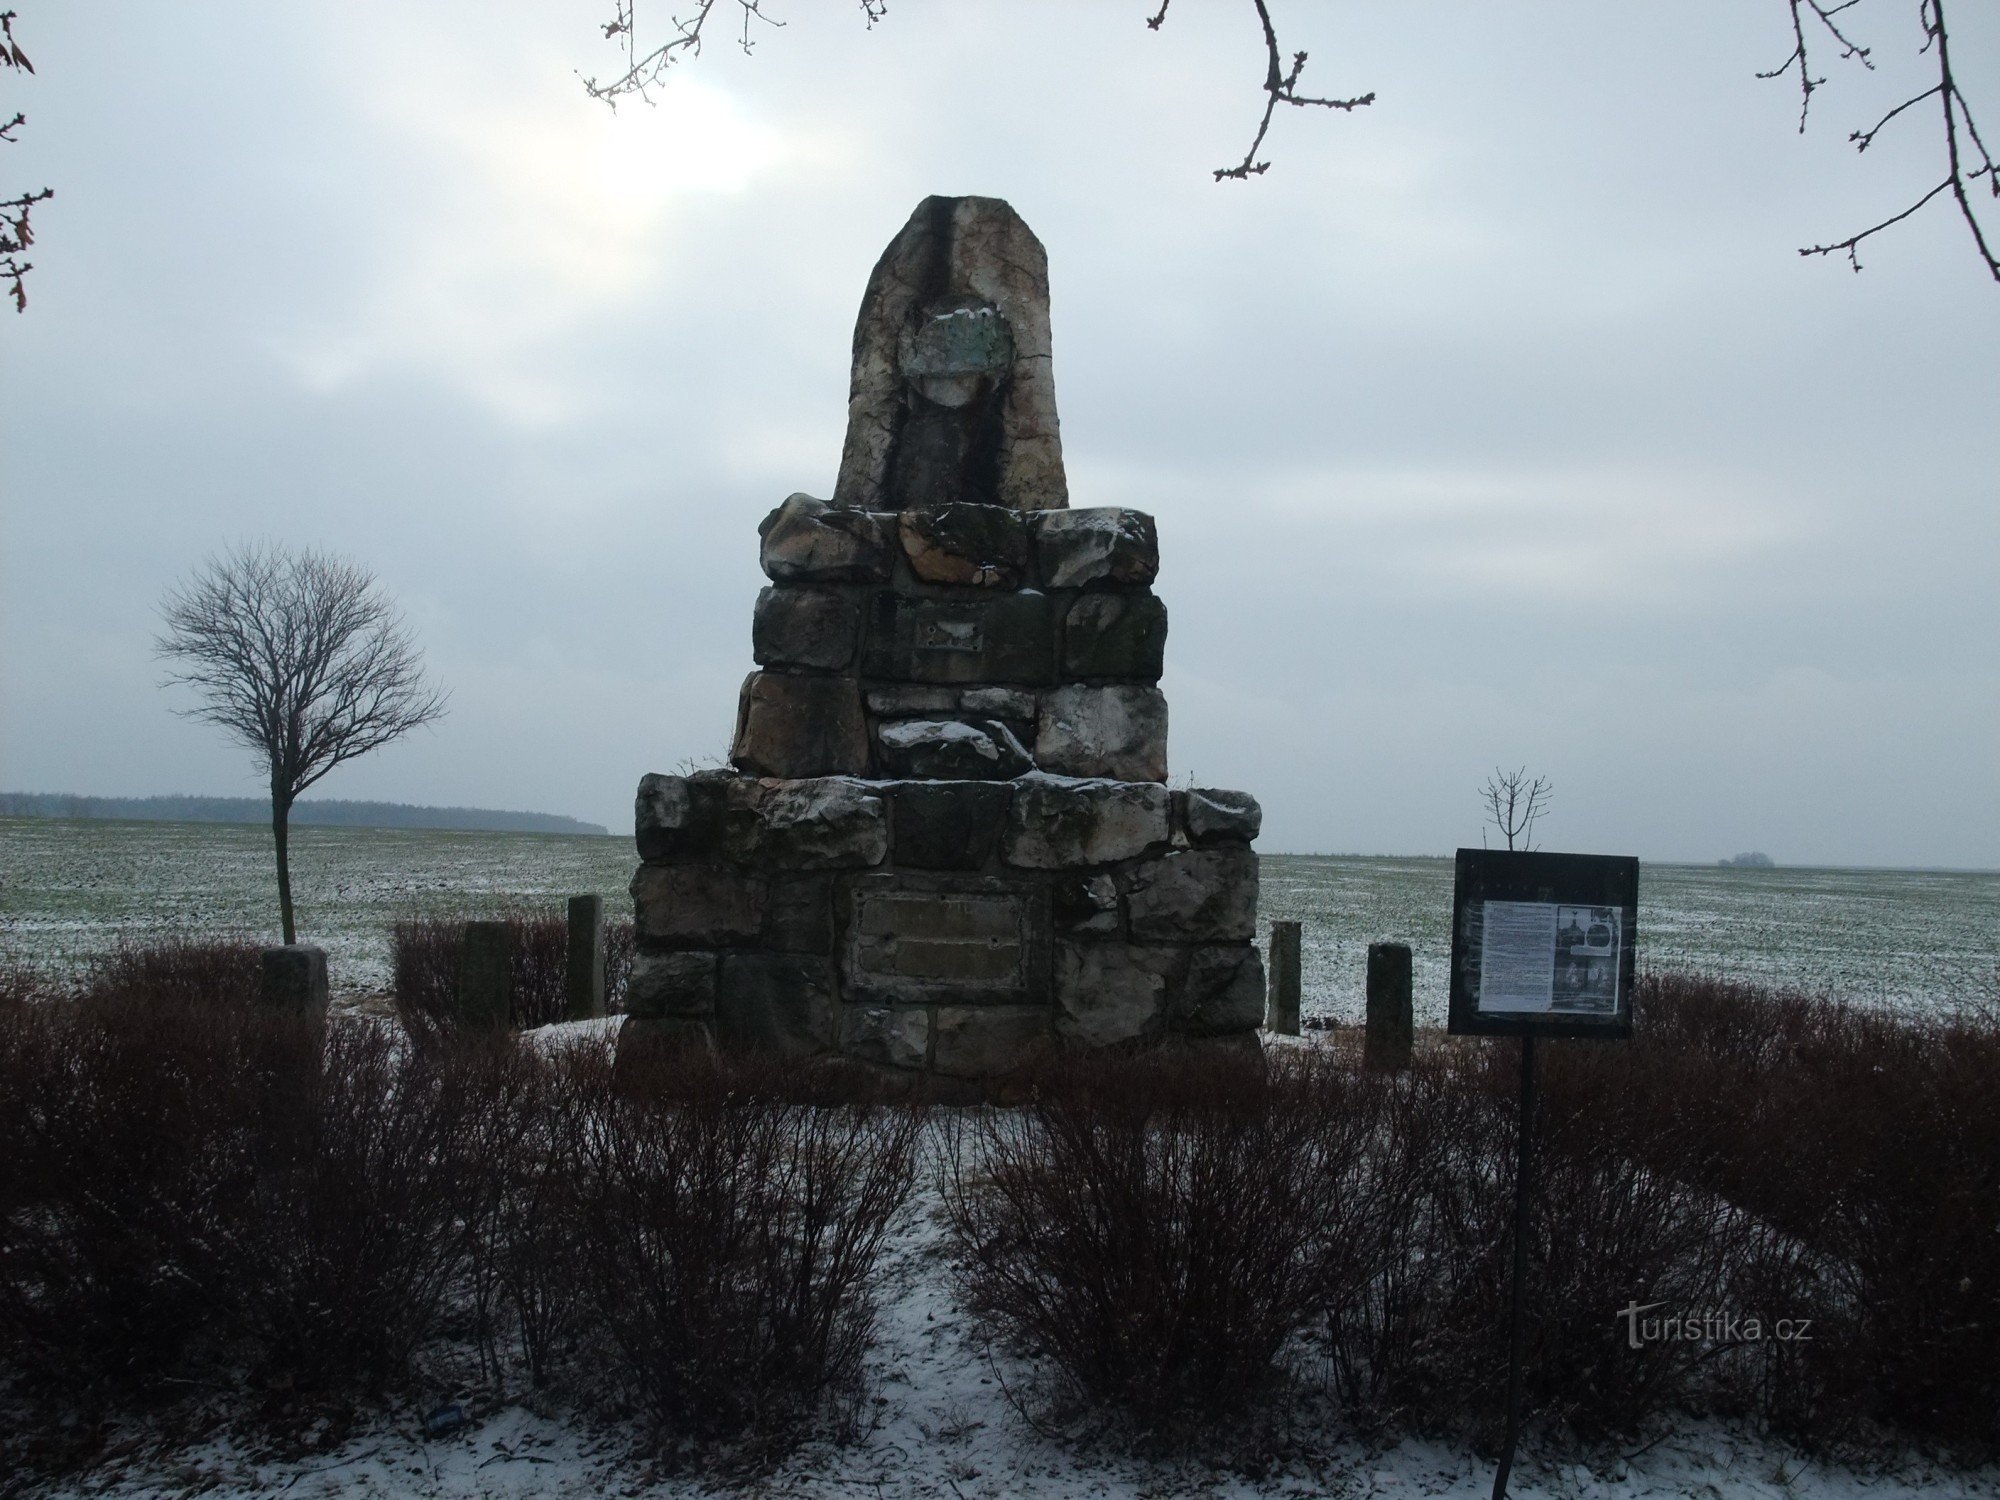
column 969, row 642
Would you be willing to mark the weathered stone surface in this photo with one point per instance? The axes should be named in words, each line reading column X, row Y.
column 988, row 1041
column 1057, row 823
column 1006, row 638
column 293, row 978
column 808, row 541
column 951, row 750
column 583, row 959
column 1218, row 817
column 892, row 1038
column 1108, row 994
column 952, row 396
column 1115, row 635
column 798, row 917
column 1221, row 990
column 814, row 823
column 996, row 702
column 1118, row 732
column 774, row 1002
column 823, row 823
column 671, row 984
column 696, row 906
column 1104, row 545
column 1198, row 895
column 1085, row 904
column 801, row 627
column 800, row 726
column 912, row 940
column 486, row 975
column 982, row 545
column 911, row 701
column 708, row 815
column 948, row 825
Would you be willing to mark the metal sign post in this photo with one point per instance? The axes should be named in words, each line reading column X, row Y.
column 1541, row 945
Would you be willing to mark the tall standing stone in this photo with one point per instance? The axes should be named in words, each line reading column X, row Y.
column 1283, row 1015
column 486, row 976
column 953, row 395
column 583, row 960
column 1390, row 1024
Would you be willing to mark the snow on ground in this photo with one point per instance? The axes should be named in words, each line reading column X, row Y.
column 939, row 1422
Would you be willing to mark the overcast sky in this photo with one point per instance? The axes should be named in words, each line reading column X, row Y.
column 1497, row 424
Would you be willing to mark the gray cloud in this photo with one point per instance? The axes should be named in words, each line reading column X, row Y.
column 1496, row 424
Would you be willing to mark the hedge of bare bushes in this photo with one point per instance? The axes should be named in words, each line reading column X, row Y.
column 203, row 1195
column 424, row 956
column 199, row 1193
column 1173, row 1241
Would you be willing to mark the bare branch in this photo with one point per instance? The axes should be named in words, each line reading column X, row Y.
column 17, row 232
column 1966, row 156
column 644, row 71
column 1800, row 57
column 1281, row 86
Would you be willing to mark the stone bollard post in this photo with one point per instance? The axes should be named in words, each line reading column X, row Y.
column 1283, row 1015
column 1387, row 1046
column 583, row 973
column 486, row 975
column 293, row 978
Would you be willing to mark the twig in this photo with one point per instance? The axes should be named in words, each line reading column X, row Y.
column 1966, row 156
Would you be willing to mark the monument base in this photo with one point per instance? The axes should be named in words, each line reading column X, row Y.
column 955, row 929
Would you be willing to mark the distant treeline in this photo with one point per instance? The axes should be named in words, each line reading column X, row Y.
column 328, row 814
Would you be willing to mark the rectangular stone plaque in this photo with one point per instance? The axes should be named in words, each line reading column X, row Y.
column 1004, row 638
column 920, row 939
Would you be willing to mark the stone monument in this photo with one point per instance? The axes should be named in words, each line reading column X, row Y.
column 946, row 842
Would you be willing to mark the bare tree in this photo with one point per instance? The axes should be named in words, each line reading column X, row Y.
column 17, row 233
column 1514, row 800
column 1813, row 24
column 300, row 657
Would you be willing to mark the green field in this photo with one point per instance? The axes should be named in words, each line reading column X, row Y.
column 70, row 889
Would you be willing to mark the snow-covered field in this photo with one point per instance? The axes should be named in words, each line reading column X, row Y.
column 71, row 888
column 947, row 1417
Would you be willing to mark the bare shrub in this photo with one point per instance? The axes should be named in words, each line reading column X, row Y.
column 727, row 1235
column 527, row 1276
column 1158, row 1228
column 121, row 1117
column 424, row 955
column 177, row 971
column 361, row 1180
column 195, row 1186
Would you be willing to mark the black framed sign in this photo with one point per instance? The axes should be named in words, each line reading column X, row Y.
column 1543, row 944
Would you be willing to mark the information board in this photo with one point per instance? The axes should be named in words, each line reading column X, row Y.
column 1543, row 943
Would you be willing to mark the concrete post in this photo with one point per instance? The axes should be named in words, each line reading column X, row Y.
column 486, row 975
column 293, row 978
column 1282, row 1016
column 583, row 973
column 1390, row 1028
